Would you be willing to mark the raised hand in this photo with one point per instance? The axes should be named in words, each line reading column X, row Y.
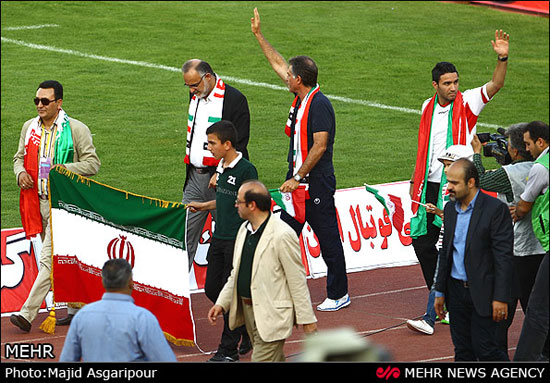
column 500, row 44
column 255, row 22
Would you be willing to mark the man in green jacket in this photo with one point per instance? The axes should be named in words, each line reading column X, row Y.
column 531, row 345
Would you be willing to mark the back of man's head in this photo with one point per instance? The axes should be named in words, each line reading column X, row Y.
column 306, row 68
column 116, row 275
column 258, row 193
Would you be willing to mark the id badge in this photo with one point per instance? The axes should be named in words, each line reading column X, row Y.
column 45, row 166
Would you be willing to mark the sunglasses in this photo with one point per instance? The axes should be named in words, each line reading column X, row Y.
column 44, row 101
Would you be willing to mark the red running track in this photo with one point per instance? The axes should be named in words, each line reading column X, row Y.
column 381, row 301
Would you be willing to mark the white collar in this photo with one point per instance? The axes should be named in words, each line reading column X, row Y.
column 210, row 97
column 231, row 165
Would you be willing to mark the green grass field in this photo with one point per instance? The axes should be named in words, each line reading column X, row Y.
column 370, row 55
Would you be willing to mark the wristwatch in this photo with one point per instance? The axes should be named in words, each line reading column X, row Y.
column 502, row 58
column 297, row 177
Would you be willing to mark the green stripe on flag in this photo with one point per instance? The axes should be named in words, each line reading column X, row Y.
column 278, row 198
column 83, row 196
column 377, row 195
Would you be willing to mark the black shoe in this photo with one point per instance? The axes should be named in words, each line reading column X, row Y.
column 245, row 346
column 219, row 357
column 20, row 322
column 64, row 321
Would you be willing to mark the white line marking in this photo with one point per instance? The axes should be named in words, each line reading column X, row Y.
column 24, row 27
column 229, row 78
column 388, row 292
column 452, row 357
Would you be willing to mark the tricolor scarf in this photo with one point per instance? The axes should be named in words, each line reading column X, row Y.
column 214, row 109
column 300, row 147
column 29, row 205
column 456, row 135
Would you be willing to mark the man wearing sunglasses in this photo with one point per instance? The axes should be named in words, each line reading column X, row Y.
column 52, row 138
column 210, row 100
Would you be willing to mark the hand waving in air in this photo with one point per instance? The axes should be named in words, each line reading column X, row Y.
column 500, row 44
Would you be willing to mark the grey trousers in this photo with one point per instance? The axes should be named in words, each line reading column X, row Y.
column 42, row 283
column 196, row 190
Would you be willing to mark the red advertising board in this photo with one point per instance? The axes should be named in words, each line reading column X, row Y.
column 19, row 269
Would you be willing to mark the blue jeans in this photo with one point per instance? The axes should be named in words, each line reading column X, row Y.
column 430, row 315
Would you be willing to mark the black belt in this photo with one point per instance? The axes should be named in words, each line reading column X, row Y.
column 201, row 170
column 463, row 283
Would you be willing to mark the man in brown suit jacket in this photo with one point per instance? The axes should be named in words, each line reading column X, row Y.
column 47, row 128
column 267, row 289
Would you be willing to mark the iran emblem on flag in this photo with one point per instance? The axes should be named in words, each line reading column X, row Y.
column 92, row 223
column 293, row 203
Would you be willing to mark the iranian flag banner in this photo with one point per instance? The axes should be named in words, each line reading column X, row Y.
column 293, row 203
column 92, row 223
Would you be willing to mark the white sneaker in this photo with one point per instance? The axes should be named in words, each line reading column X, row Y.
column 420, row 326
column 334, row 304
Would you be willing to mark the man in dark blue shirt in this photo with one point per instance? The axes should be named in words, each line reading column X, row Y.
column 311, row 127
column 474, row 278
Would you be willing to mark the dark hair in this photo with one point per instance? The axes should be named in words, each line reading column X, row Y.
column 515, row 138
column 537, row 129
column 258, row 194
column 203, row 67
column 200, row 66
column 470, row 170
column 441, row 68
column 57, row 88
column 116, row 274
column 224, row 130
column 306, row 68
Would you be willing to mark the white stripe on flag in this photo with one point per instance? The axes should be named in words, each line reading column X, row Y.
column 156, row 264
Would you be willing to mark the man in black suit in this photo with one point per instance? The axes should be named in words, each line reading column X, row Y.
column 474, row 278
column 211, row 100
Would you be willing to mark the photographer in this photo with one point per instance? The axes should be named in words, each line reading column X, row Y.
column 509, row 182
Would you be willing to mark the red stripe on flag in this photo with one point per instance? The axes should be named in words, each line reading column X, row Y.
column 74, row 281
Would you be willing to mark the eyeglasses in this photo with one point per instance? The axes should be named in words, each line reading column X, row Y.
column 196, row 84
column 238, row 201
column 44, row 101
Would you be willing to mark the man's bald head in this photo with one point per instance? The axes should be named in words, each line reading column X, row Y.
column 202, row 67
column 256, row 191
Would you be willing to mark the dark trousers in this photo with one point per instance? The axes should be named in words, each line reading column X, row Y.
column 425, row 246
column 220, row 264
column 321, row 216
column 525, row 271
column 535, row 325
column 474, row 336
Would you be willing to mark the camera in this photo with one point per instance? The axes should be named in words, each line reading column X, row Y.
column 496, row 146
